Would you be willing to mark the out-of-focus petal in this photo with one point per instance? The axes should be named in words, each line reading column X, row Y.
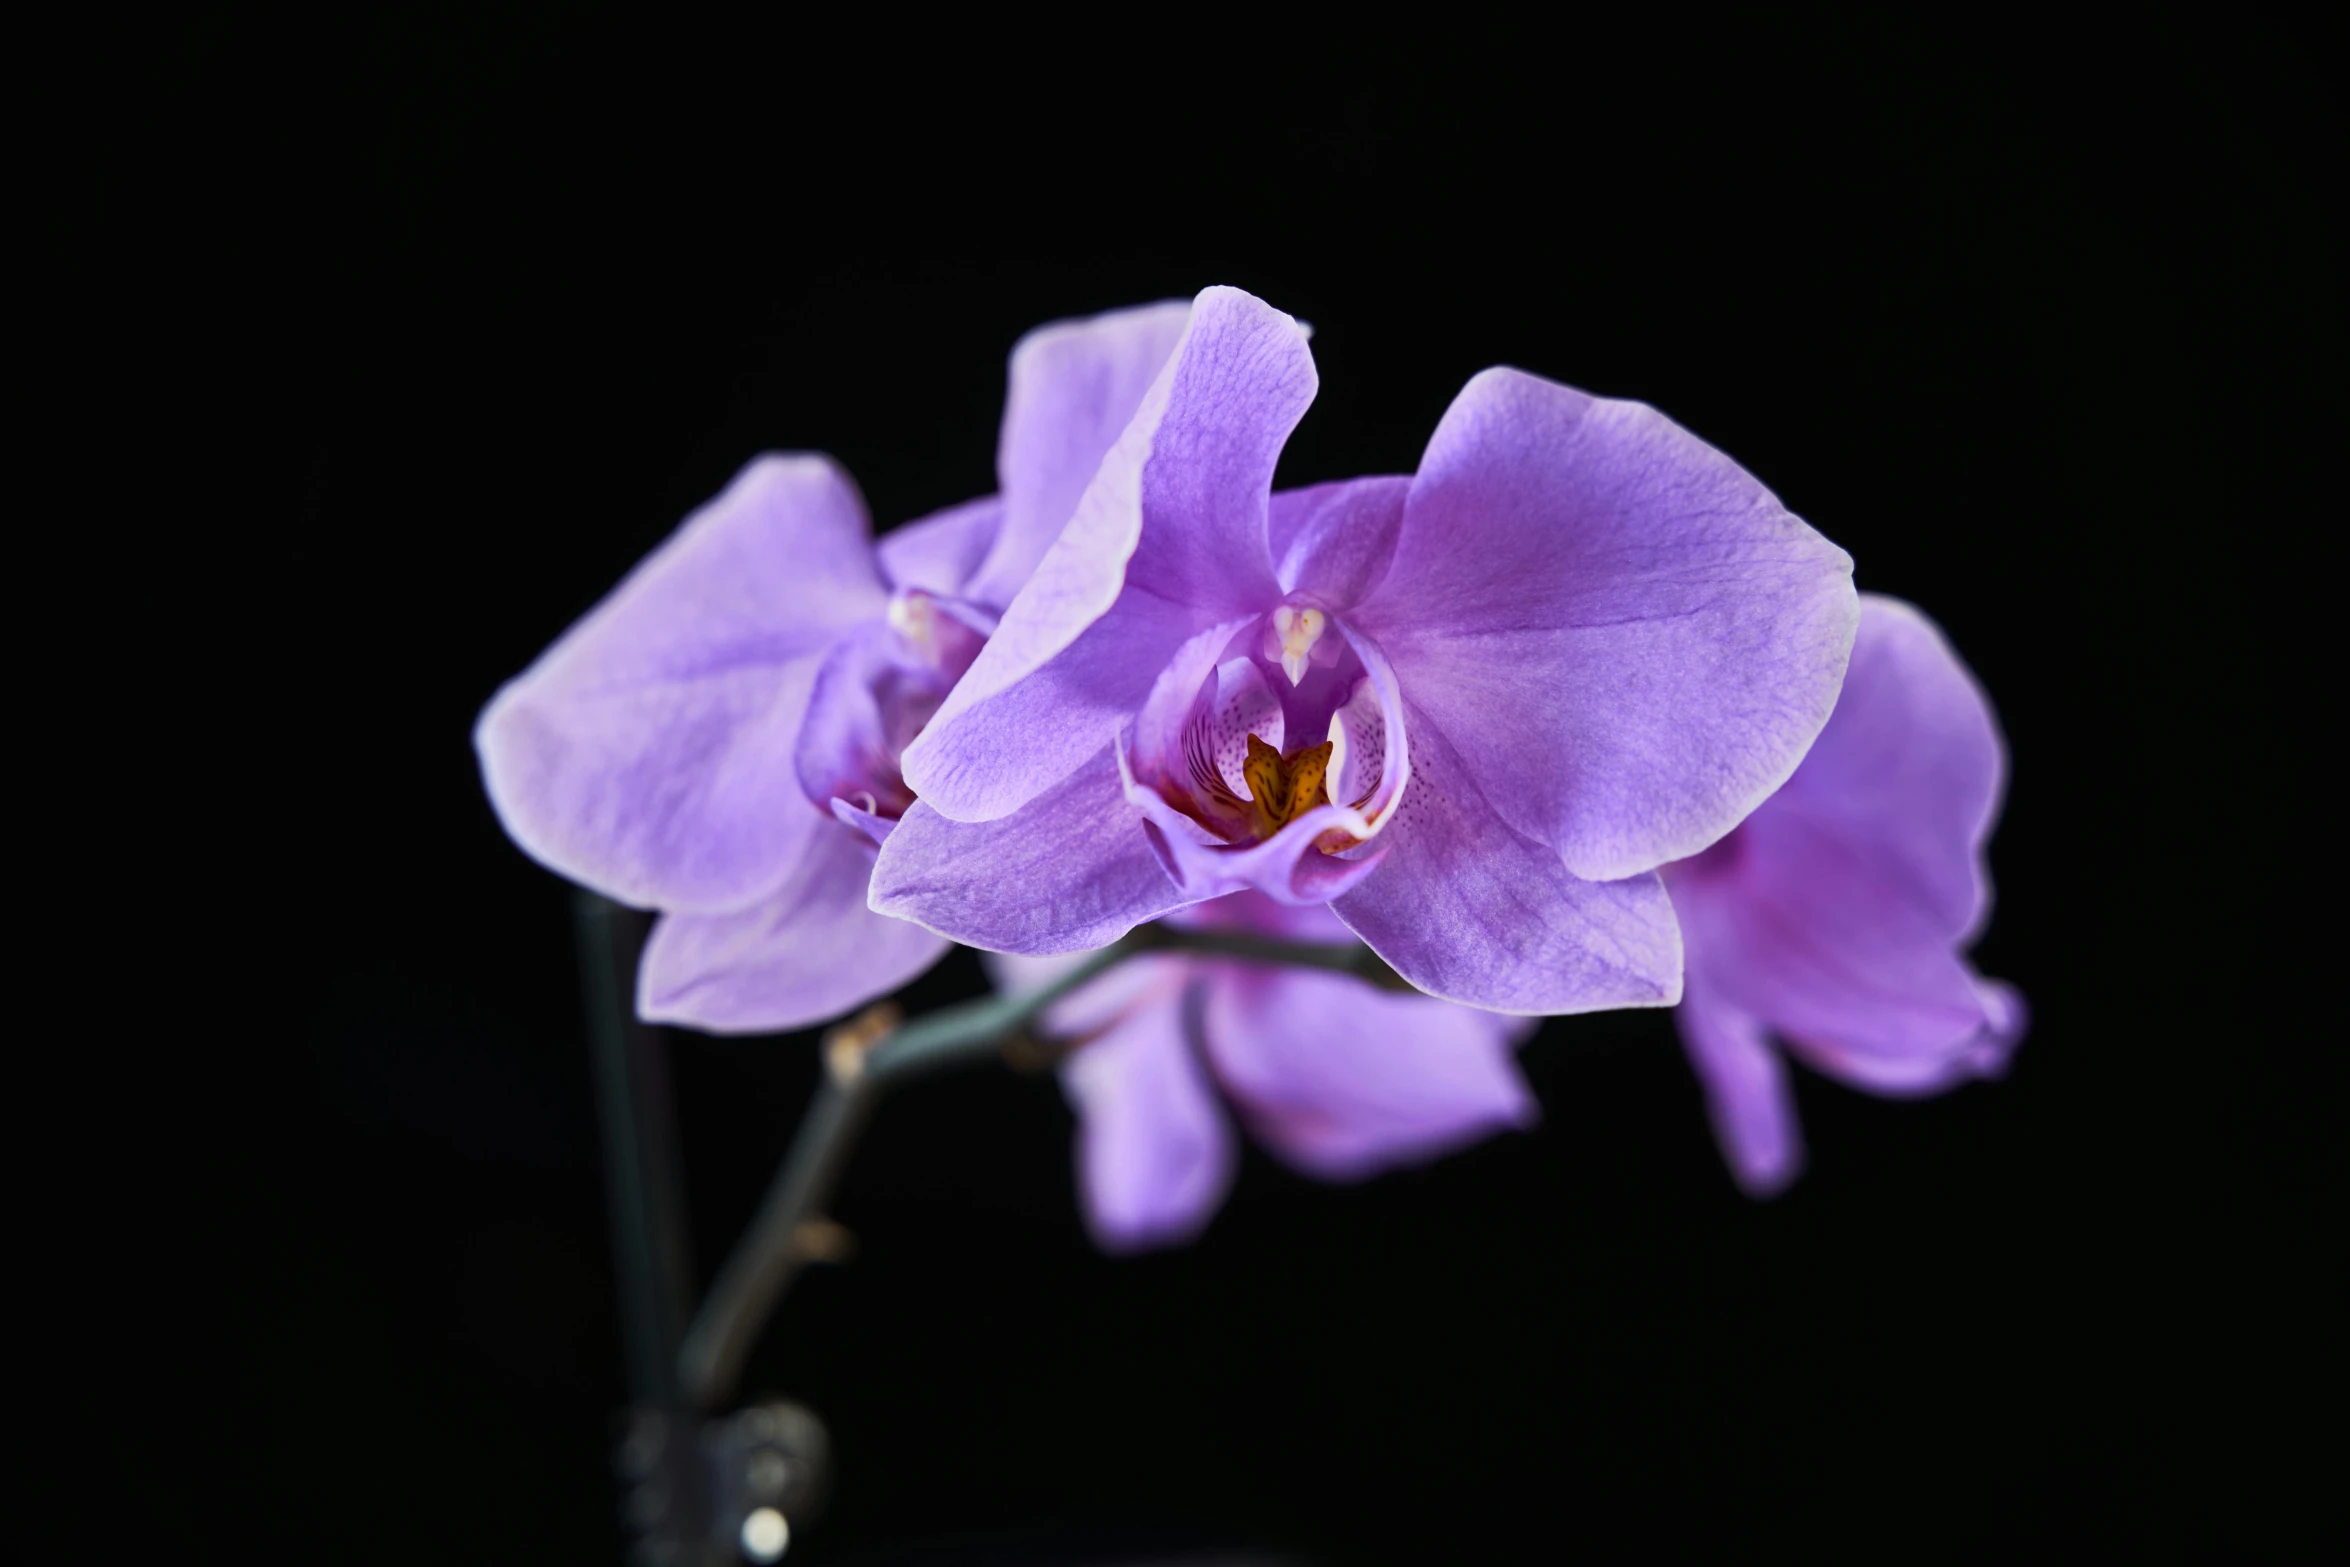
column 1334, row 541
column 1469, row 910
column 1909, row 770
column 1074, row 386
column 1611, row 616
column 1747, row 1093
column 1343, row 1080
column 857, row 819
column 1090, row 1009
column 1068, row 872
column 1154, row 1153
column 1799, row 927
column 648, row 754
column 1178, row 509
column 809, row 952
column 1983, row 1052
column 939, row 553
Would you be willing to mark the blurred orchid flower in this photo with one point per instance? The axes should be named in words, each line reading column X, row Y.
column 1835, row 917
column 719, row 738
column 1337, row 1077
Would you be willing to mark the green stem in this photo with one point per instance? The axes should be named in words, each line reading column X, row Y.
column 778, row 1243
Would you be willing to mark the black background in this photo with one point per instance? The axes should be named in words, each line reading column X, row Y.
column 2020, row 321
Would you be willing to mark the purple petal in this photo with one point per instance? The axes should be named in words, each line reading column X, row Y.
column 1154, row 1154
column 1395, row 750
column 939, row 553
column 1238, row 385
column 1137, row 982
column 1791, row 923
column 1620, row 629
column 1334, row 541
column 875, row 827
column 1469, row 910
column 1837, row 911
column 1074, row 386
column 1747, row 1094
column 1178, row 509
column 648, row 754
column 1026, row 739
column 1068, row 872
column 1238, row 702
column 1909, row 769
column 1983, row 1052
column 809, row 952
column 1344, row 1080
column 843, row 750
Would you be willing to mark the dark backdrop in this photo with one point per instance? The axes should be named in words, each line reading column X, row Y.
column 2006, row 317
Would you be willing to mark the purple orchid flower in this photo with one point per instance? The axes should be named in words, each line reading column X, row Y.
column 1337, row 1077
column 719, row 738
column 1834, row 917
column 1472, row 710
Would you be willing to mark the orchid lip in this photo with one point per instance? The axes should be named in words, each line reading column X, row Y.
column 1257, row 753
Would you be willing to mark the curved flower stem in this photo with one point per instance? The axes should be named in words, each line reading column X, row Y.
column 866, row 1056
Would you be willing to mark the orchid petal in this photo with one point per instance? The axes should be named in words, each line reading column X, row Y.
column 843, row 745
column 1179, row 505
column 1029, row 737
column 810, row 951
column 940, row 552
column 1395, row 751
column 1333, row 542
column 1747, row 1092
column 648, row 753
column 1154, row 1152
column 1983, row 1052
column 1102, row 1001
column 1909, row 769
column 1243, row 704
column 1068, row 872
column 1790, row 922
column 1074, row 386
column 1344, row 1080
column 872, row 825
column 1613, row 616
column 1469, row 910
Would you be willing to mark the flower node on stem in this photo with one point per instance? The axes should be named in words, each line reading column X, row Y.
column 846, row 1044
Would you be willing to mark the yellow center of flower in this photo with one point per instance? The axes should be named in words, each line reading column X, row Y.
column 1282, row 787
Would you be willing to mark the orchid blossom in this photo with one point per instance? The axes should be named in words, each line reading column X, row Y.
column 1835, row 916
column 719, row 739
column 1471, row 710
